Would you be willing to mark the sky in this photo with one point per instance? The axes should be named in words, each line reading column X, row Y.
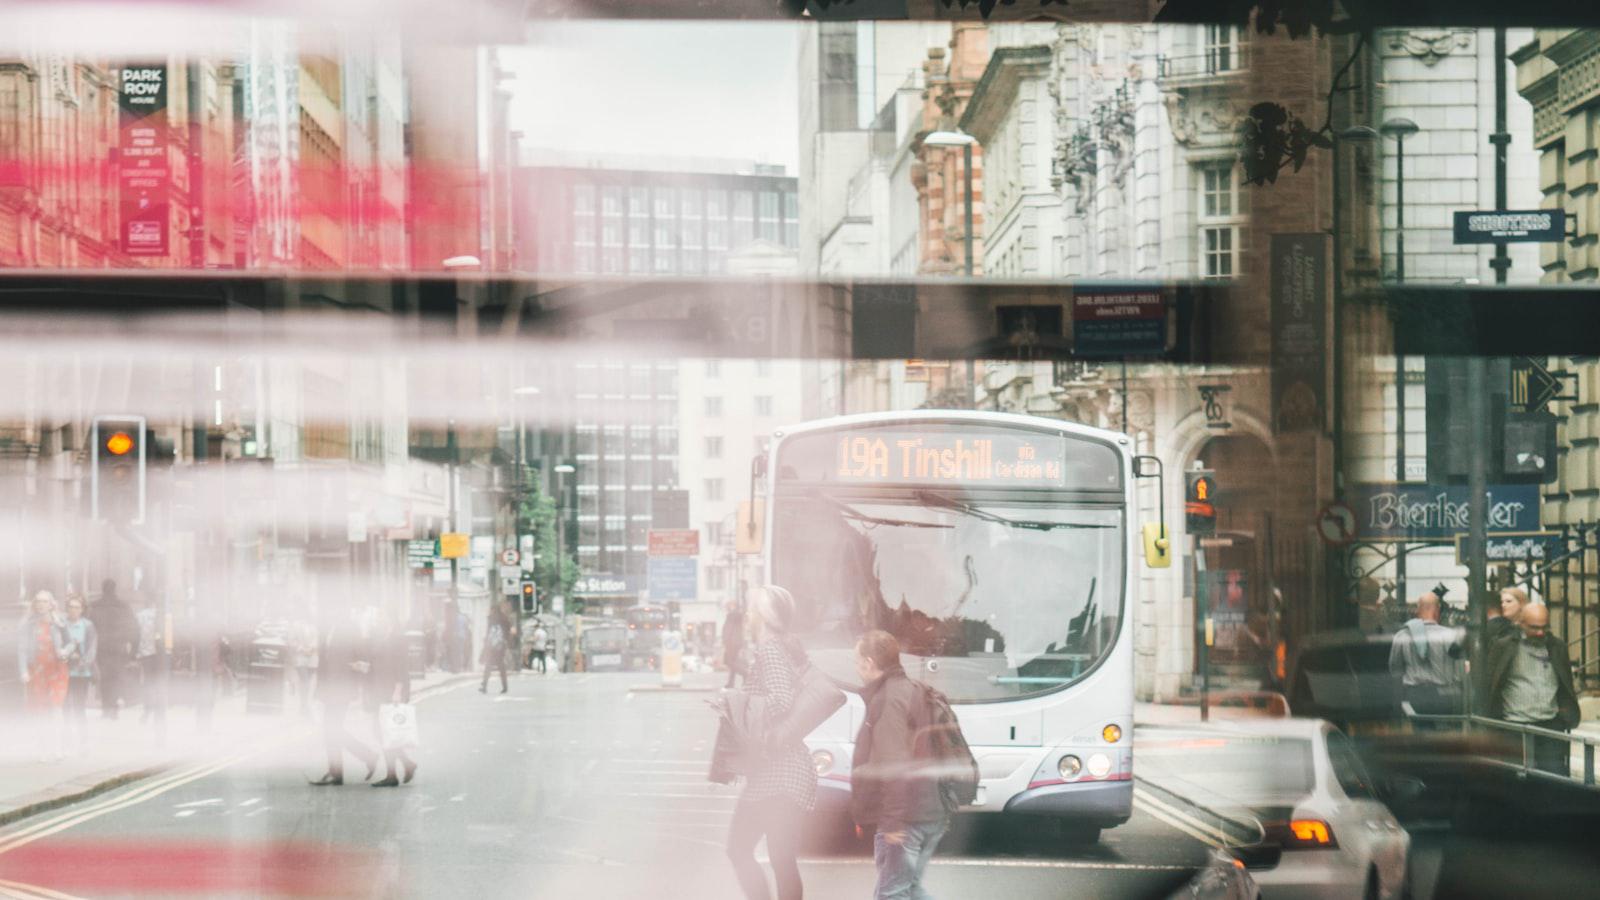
column 718, row 89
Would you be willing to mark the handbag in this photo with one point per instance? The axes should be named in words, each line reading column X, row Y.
column 397, row 726
column 816, row 699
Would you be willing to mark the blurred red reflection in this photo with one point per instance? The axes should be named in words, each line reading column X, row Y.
column 191, row 868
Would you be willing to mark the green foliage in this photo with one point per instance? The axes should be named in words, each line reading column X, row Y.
column 536, row 515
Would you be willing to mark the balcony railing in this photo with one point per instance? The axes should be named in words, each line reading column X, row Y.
column 1214, row 63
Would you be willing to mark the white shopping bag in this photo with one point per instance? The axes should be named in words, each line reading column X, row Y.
column 397, row 726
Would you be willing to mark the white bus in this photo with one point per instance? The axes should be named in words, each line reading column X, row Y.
column 1000, row 550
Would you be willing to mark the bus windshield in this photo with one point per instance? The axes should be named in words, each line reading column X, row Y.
column 991, row 600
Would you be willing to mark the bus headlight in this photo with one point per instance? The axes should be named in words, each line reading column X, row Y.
column 822, row 760
column 1112, row 733
column 1099, row 765
column 1069, row 766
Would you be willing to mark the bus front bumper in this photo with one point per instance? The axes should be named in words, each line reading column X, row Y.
column 1108, row 803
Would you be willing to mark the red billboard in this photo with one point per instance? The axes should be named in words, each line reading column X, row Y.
column 143, row 172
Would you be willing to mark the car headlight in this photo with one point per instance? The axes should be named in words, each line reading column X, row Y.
column 1111, row 733
column 1069, row 766
column 822, row 761
column 1099, row 765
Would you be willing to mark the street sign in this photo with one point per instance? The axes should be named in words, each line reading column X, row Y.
column 454, row 545
column 668, row 542
column 1510, row 225
column 1533, row 386
column 1337, row 524
column 674, row 578
column 420, row 554
column 1110, row 321
column 1439, row 512
column 509, row 557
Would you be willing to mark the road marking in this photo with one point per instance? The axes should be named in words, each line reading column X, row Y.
column 1184, row 816
column 251, row 802
column 1176, row 823
column 183, row 814
column 209, row 801
column 32, row 892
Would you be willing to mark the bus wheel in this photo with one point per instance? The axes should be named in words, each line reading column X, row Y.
column 1077, row 833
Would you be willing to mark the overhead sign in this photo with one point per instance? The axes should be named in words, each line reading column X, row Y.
column 1511, row 226
column 1119, row 322
column 1536, row 546
column 454, row 545
column 674, row 542
column 1533, row 386
column 673, row 578
column 143, row 173
column 1336, row 524
column 1436, row 512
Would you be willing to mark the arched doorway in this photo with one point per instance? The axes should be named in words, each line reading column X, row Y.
column 1239, row 583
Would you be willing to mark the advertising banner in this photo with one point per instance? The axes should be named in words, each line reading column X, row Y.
column 1438, row 512
column 143, row 173
column 1299, row 326
column 1110, row 321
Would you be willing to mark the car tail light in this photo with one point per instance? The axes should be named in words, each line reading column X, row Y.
column 1309, row 834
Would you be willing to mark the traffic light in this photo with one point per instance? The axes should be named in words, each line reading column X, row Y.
column 1199, row 503
column 117, row 471
column 530, row 599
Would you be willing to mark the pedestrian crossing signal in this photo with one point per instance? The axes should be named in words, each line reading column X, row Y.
column 117, row 472
column 1199, row 504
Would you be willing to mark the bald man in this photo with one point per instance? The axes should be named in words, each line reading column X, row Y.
column 1426, row 659
column 1530, row 683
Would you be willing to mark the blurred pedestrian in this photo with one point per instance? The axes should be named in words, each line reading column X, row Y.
column 1530, row 683
column 496, row 635
column 117, row 631
column 1426, row 659
column 42, row 670
column 344, row 661
column 889, row 792
column 302, row 659
column 79, row 645
column 390, row 683
column 1503, row 617
column 781, row 785
column 147, row 652
column 733, row 642
column 540, row 647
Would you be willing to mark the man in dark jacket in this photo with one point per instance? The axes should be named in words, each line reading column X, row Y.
column 342, row 668
column 117, row 630
column 1530, row 683
column 889, row 785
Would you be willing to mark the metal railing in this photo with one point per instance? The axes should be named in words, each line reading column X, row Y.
column 1217, row 62
column 1527, row 734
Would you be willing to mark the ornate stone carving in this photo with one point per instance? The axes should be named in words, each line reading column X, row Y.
column 1430, row 46
column 1211, row 116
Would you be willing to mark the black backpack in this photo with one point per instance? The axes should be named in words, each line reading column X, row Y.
column 941, row 742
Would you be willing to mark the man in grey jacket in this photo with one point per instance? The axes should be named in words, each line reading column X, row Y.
column 891, row 790
column 1426, row 658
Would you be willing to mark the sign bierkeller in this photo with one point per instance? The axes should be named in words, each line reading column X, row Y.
column 144, row 173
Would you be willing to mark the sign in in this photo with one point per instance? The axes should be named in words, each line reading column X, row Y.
column 931, row 458
column 1510, row 225
column 143, row 173
column 1436, row 512
column 1299, row 323
column 601, row 585
column 1119, row 321
column 1533, row 386
column 454, row 545
column 674, row 578
column 1536, row 546
column 674, row 542
column 420, row 554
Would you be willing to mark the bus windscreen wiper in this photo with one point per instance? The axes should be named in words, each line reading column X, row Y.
column 932, row 498
column 850, row 512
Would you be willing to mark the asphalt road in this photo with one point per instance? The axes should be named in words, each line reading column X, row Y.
column 568, row 786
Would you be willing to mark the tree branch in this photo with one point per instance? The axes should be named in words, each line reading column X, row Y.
column 1334, row 89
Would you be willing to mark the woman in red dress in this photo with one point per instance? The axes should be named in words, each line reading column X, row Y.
column 44, row 673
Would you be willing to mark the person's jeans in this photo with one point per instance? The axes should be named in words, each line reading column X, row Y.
column 780, row 820
column 900, row 866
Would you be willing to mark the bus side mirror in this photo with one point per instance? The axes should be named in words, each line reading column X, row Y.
column 1157, row 548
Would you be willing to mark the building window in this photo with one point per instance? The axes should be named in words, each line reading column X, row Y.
column 664, row 262
column 611, row 261
column 713, row 533
column 791, row 219
column 716, row 204
column 763, row 368
column 713, row 368
column 666, row 201
column 744, row 218
column 713, row 448
column 583, row 199
column 716, row 235
column 583, row 260
column 611, row 201
column 611, row 234
column 1221, row 223
column 1224, row 48
column 639, row 259
column 713, row 407
column 716, row 578
column 638, row 233
column 714, row 489
column 691, row 203
column 769, row 216
column 764, row 406
column 639, row 202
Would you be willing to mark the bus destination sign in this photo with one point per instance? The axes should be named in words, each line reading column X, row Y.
column 909, row 457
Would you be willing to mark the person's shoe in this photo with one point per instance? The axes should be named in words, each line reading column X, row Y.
column 502, row 689
column 411, row 770
column 329, row 779
column 372, row 769
column 391, row 781
column 483, row 689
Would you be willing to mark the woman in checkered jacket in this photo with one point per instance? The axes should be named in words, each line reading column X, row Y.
column 782, row 783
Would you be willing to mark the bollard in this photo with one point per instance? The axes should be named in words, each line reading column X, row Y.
column 671, row 659
column 1588, row 763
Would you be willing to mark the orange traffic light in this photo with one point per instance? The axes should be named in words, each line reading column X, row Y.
column 119, row 443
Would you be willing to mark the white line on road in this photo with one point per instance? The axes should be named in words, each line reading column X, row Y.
column 251, row 802
column 209, row 801
column 184, row 814
column 1175, row 823
column 1217, row 834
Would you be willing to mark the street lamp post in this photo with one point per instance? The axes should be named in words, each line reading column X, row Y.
column 1399, row 129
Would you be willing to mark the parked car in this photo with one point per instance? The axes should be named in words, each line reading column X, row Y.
column 1325, row 829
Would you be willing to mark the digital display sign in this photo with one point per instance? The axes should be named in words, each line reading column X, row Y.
column 970, row 456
